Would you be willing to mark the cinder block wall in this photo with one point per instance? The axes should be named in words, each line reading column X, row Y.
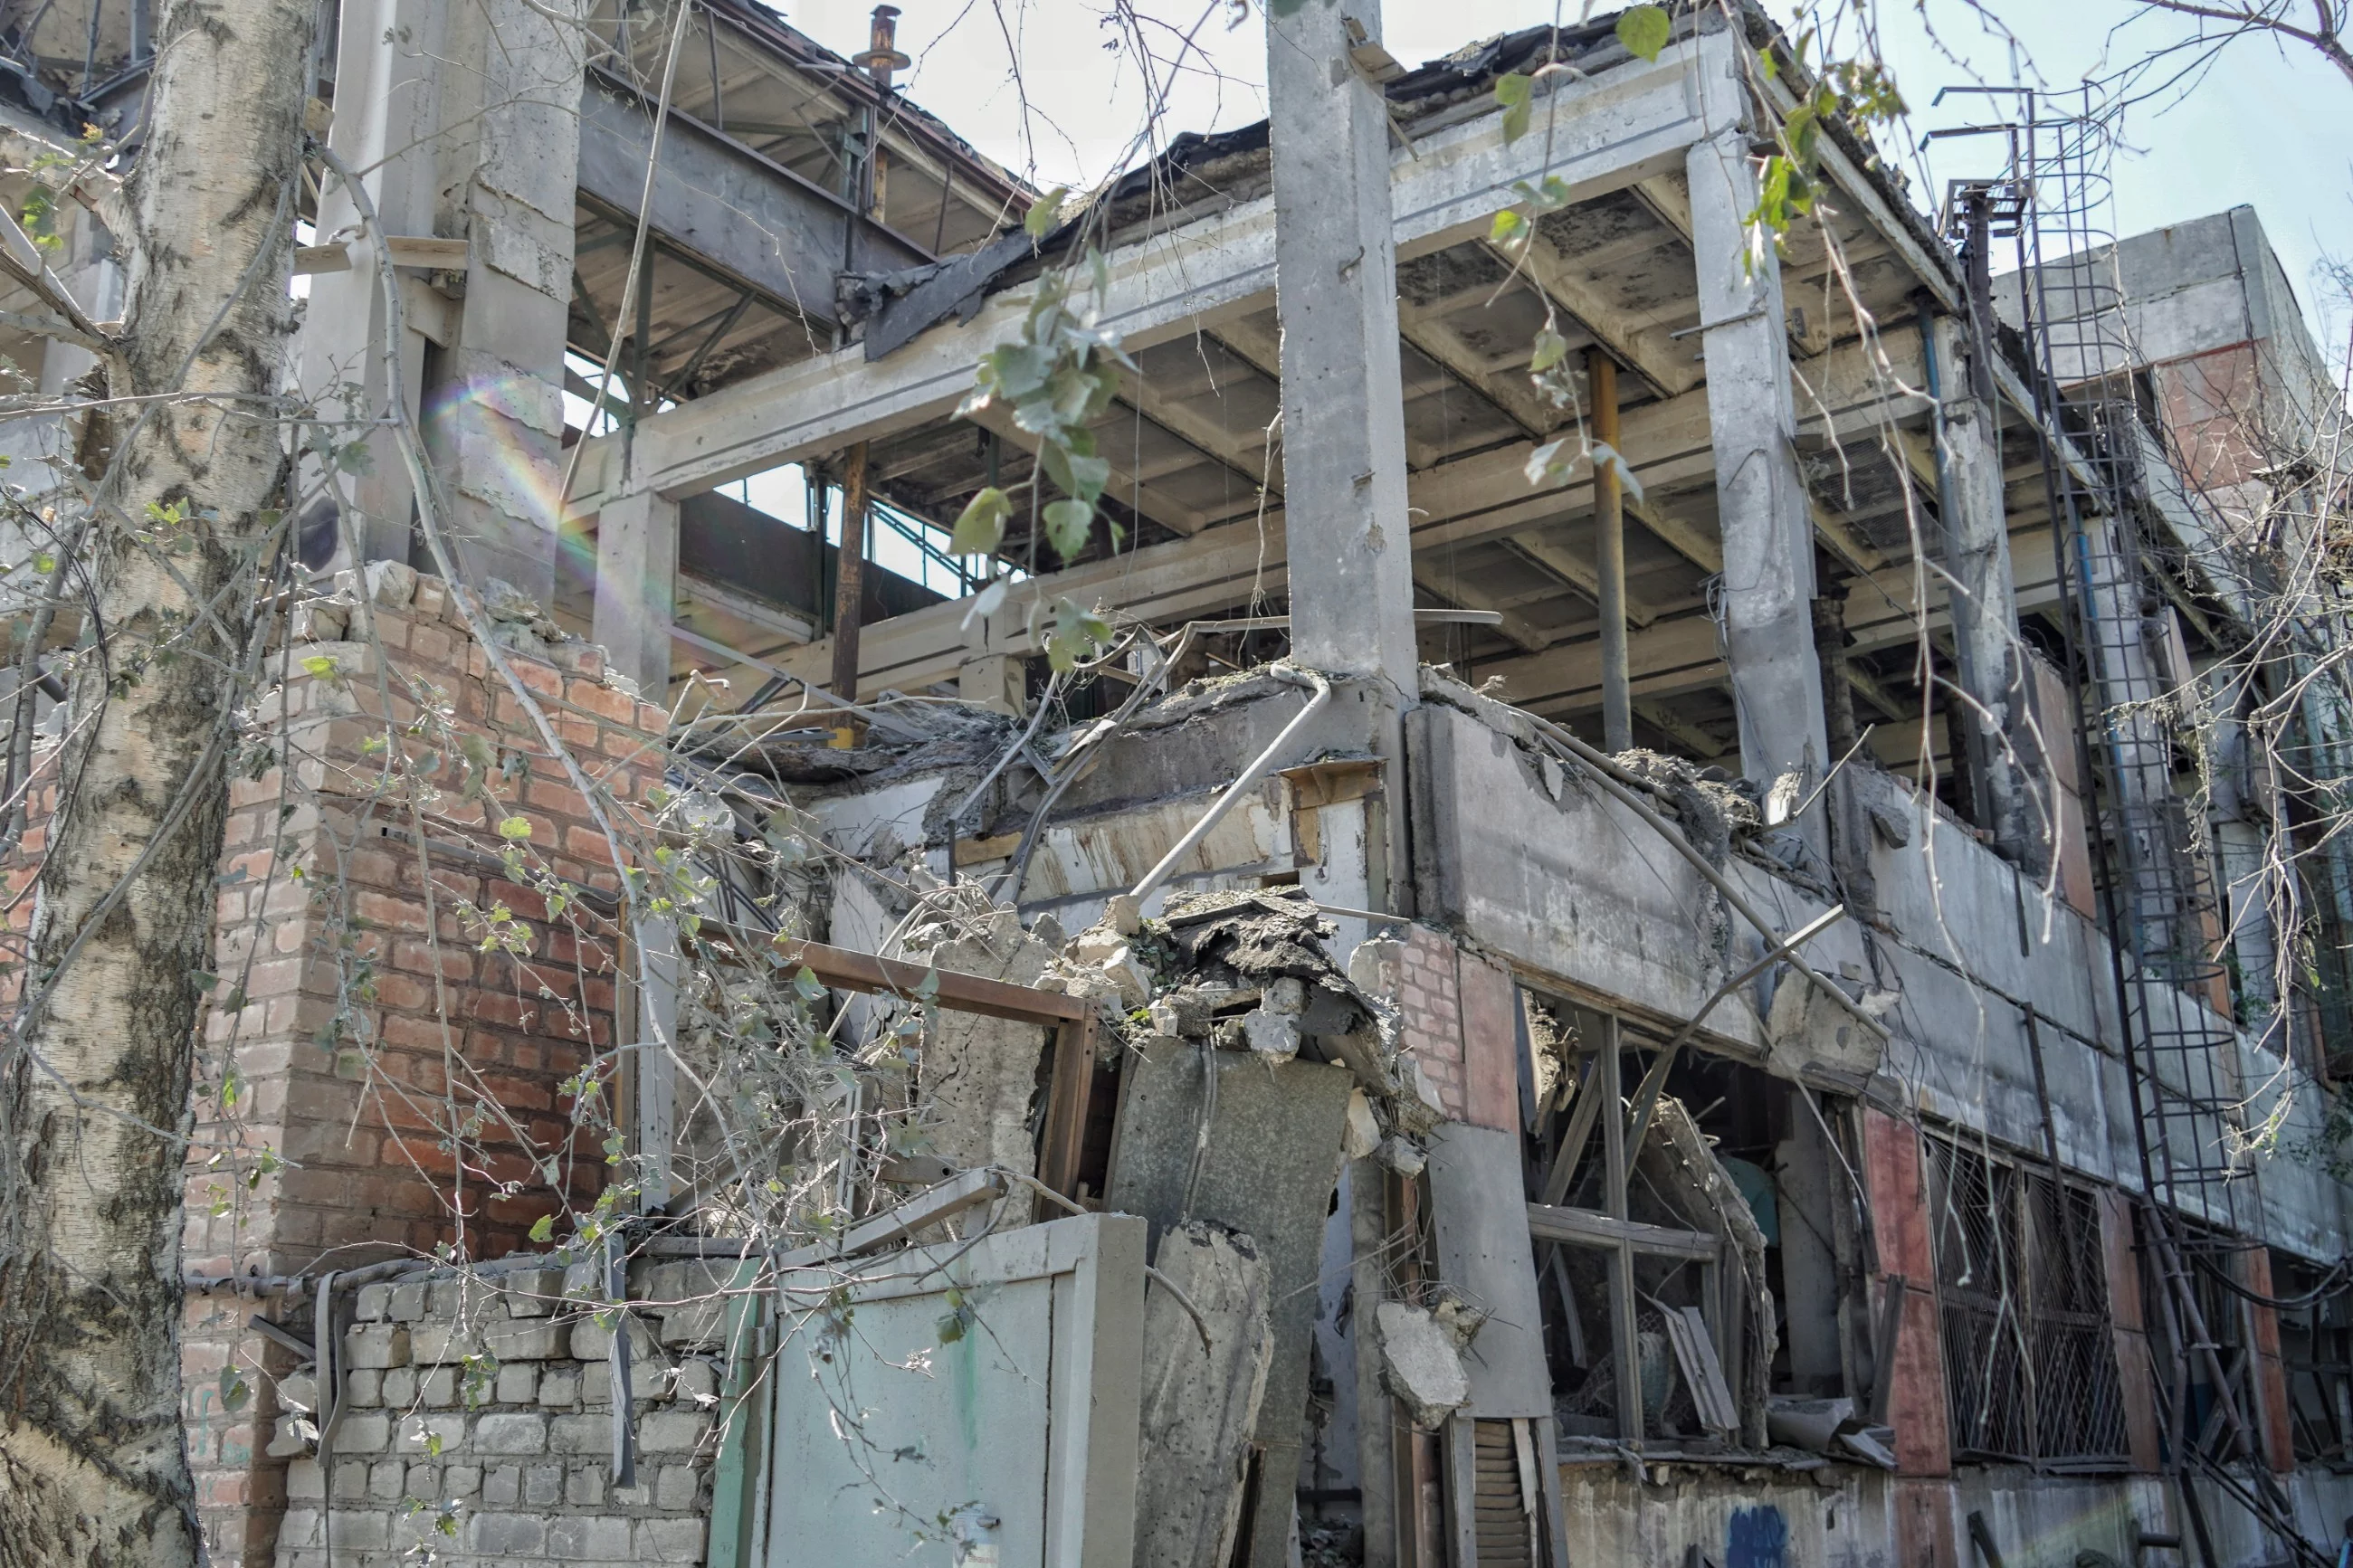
column 506, row 1456
column 333, row 1054
column 351, row 1055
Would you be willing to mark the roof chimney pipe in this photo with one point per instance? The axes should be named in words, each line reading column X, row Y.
column 882, row 58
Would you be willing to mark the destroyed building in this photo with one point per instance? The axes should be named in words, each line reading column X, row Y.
column 1522, row 1006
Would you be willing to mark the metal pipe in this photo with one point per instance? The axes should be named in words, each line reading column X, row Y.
column 1290, row 676
column 1610, row 557
column 849, row 574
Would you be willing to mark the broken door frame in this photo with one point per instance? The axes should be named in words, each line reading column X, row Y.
column 1611, row 1230
column 1075, row 1023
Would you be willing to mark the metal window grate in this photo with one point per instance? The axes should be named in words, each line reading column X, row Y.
column 2030, row 1358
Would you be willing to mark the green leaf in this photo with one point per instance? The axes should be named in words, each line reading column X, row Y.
column 543, row 1229
column 1514, row 92
column 1067, row 524
column 322, row 665
column 1508, row 228
column 951, row 1329
column 1551, row 348
column 1017, row 370
column 1045, row 212
column 515, row 828
column 1605, row 456
column 980, row 527
column 1644, row 30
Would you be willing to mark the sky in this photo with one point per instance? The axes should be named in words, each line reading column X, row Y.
column 2265, row 125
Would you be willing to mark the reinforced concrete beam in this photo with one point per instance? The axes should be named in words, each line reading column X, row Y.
column 1481, row 497
column 780, row 235
column 1629, row 123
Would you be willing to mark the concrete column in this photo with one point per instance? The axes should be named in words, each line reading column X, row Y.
column 464, row 122
column 1982, row 592
column 636, row 572
column 1761, row 500
column 1343, row 399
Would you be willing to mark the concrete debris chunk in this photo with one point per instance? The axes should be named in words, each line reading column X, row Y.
column 392, row 583
column 1363, row 1133
column 1421, row 1363
column 1287, row 995
column 1123, row 913
column 1402, row 1155
column 1127, row 973
column 1096, row 944
column 1271, row 1035
column 979, row 1075
column 1200, row 1401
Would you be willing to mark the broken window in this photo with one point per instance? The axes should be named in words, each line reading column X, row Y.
column 2317, row 1355
column 1650, row 1257
column 2030, row 1356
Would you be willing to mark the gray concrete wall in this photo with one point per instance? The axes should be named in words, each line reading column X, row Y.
column 1525, row 859
column 486, row 1401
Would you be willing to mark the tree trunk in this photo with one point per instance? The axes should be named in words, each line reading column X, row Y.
column 95, row 1088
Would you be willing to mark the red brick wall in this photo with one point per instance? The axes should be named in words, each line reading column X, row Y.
column 326, row 1098
column 2129, row 1327
column 1900, row 1221
column 2270, row 1414
column 1461, row 1025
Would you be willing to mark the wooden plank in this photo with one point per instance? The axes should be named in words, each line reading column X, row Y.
column 926, row 1208
column 1063, row 1137
column 1625, row 1345
column 1585, row 1227
column 426, row 251
column 842, row 969
column 1694, row 1347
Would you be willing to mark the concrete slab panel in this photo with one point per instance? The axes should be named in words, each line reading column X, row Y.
column 1268, row 1168
column 1484, row 1251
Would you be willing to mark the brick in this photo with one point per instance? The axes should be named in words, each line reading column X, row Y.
column 543, row 1485
column 441, row 1343
column 697, row 1323
column 697, row 1381
column 462, row 1480
column 580, row 1435
column 503, row 1485
column 510, row 1433
column 583, row 1486
column 510, row 1535
column 306, row 1478
column 517, row 1385
column 535, row 1292
column 406, row 1303
column 578, row 1539
column 527, row 1339
column 374, row 1303
column 417, row 1432
column 559, row 1386
column 670, row 1540
column 671, row 1432
column 369, row 1432
column 388, row 1480
column 300, row 1527
column 350, row 1477
column 677, row 1487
